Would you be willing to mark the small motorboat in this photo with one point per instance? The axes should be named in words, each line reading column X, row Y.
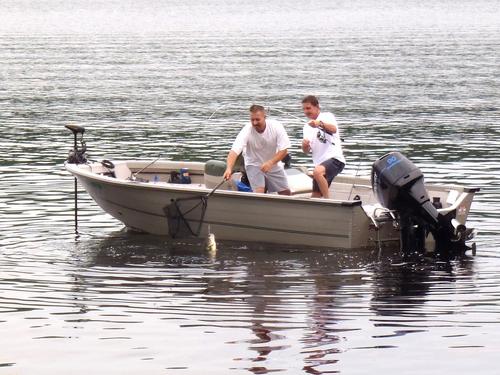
column 184, row 198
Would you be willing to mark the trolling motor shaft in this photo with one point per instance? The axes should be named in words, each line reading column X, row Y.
column 77, row 154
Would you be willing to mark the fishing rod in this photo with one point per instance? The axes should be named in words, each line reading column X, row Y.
column 133, row 177
column 215, row 188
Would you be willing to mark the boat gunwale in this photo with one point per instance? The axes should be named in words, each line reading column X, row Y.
column 184, row 188
column 345, row 179
column 359, row 181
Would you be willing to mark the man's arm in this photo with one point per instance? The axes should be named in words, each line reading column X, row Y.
column 237, row 148
column 306, row 146
column 265, row 167
column 231, row 159
column 328, row 128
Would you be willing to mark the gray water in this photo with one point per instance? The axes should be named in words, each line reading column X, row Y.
column 143, row 77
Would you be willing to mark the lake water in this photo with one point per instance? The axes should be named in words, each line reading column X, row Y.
column 144, row 77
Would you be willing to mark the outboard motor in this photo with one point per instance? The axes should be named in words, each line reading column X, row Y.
column 398, row 185
column 77, row 155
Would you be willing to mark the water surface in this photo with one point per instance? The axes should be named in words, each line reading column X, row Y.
column 144, row 77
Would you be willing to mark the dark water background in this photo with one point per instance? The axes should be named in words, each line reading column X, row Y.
column 143, row 77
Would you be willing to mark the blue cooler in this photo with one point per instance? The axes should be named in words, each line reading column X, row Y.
column 243, row 187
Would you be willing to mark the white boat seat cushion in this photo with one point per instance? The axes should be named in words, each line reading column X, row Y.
column 298, row 181
column 122, row 172
column 452, row 197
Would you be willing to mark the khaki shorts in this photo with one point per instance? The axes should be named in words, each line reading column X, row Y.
column 274, row 181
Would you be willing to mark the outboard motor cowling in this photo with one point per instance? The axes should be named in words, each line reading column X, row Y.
column 398, row 185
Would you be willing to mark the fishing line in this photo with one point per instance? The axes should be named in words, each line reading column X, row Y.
column 286, row 113
column 356, row 175
column 217, row 110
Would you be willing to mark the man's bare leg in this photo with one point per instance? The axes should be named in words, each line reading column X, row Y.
column 319, row 177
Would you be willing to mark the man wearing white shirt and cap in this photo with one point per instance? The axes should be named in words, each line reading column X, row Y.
column 264, row 144
column 322, row 139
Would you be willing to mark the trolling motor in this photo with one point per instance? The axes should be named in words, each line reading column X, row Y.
column 399, row 186
column 77, row 154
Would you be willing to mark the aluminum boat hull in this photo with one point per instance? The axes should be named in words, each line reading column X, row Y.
column 298, row 220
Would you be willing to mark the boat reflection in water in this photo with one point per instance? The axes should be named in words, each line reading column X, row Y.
column 261, row 301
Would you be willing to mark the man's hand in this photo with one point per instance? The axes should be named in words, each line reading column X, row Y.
column 266, row 167
column 227, row 174
column 314, row 123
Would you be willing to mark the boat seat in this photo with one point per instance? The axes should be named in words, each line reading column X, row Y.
column 214, row 173
column 122, row 171
column 452, row 197
column 298, row 181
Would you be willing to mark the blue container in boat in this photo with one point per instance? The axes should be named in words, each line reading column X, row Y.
column 185, row 178
column 243, row 187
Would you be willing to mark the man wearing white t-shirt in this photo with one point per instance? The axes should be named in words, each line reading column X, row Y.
column 322, row 139
column 264, row 144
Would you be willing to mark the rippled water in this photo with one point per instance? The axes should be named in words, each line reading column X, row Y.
column 143, row 78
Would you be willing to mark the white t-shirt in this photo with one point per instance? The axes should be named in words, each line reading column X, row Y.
column 322, row 151
column 260, row 147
